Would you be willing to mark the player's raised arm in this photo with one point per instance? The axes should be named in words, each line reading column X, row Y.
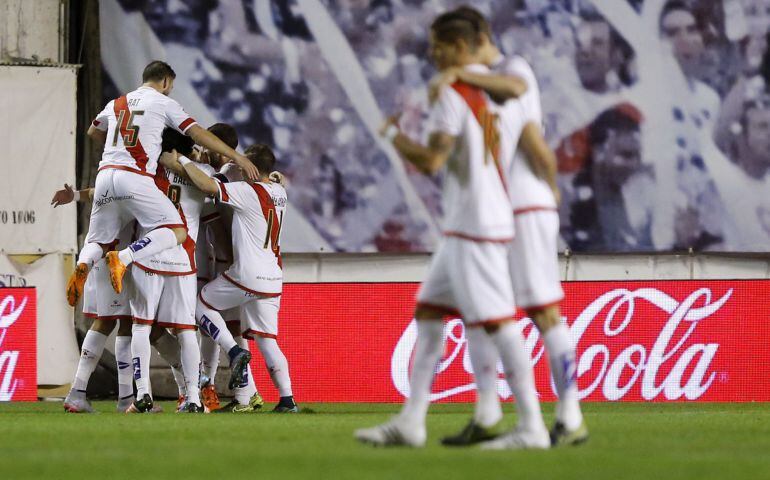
column 182, row 164
column 539, row 156
column 428, row 159
column 206, row 139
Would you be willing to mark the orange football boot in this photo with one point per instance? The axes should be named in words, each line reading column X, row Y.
column 76, row 283
column 117, row 270
column 210, row 398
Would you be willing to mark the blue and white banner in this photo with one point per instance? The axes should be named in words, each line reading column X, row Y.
column 657, row 110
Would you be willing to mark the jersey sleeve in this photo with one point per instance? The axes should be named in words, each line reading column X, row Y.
column 235, row 194
column 177, row 118
column 447, row 114
column 530, row 101
column 101, row 120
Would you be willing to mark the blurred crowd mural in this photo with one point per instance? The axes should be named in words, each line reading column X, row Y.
column 658, row 110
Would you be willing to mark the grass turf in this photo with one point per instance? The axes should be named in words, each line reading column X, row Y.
column 628, row 441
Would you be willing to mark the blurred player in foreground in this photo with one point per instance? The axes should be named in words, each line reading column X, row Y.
column 472, row 136
column 533, row 258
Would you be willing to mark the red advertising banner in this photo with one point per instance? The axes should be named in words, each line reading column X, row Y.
column 636, row 341
column 18, row 344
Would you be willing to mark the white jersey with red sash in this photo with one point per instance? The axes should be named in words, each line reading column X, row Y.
column 258, row 210
column 189, row 200
column 475, row 197
column 134, row 124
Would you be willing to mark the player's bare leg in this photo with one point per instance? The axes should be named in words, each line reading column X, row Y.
column 530, row 431
column 90, row 353
column 408, row 427
column 89, row 255
column 487, row 420
column 570, row 427
column 153, row 243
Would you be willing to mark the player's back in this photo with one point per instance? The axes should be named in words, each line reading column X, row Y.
column 258, row 211
column 476, row 204
column 135, row 124
column 525, row 188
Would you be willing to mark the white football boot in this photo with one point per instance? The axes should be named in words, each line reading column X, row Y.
column 520, row 439
column 393, row 433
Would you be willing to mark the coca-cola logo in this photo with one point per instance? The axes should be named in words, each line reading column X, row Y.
column 9, row 313
column 615, row 361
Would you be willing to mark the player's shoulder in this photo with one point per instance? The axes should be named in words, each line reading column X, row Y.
column 517, row 65
column 206, row 168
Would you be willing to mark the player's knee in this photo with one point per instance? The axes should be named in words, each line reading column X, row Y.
column 103, row 327
column 180, row 234
column 124, row 328
column 426, row 314
column 545, row 318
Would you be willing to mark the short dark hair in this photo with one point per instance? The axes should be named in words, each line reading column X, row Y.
column 475, row 17
column 624, row 117
column 173, row 140
column 449, row 28
column 262, row 157
column 157, row 71
column 226, row 133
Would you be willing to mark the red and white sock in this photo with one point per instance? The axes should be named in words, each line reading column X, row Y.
column 140, row 356
column 427, row 353
column 483, row 355
column 90, row 353
column 123, row 360
column 191, row 357
column 519, row 375
column 561, row 359
column 277, row 365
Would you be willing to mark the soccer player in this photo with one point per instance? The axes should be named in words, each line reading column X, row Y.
column 468, row 274
column 130, row 128
column 255, row 280
column 533, row 256
column 215, row 252
column 105, row 307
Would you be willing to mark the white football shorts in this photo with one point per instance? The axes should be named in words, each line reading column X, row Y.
column 258, row 315
column 164, row 300
column 99, row 298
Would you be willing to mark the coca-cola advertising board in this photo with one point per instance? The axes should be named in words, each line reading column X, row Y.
column 636, row 341
column 18, row 344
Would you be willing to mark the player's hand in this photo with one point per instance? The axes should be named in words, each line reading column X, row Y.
column 248, row 168
column 63, row 196
column 170, row 160
column 278, row 178
column 439, row 81
column 391, row 120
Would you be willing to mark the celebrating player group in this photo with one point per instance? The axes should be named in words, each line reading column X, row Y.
column 498, row 249
column 161, row 176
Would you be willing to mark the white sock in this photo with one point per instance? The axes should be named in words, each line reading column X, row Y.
column 140, row 353
column 561, row 358
column 90, row 353
column 90, row 254
column 170, row 351
column 209, row 357
column 123, row 359
column 519, row 375
column 277, row 365
column 213, row 325
column 153, row 243
column 191, row 357
column 483, row 355
column 427, row 353
column 247, row 388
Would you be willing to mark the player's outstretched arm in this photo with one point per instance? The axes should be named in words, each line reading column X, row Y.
column 539, row 156
column 500, row 87
column 208, row 140
column 184, row 165
column 98, row 136
column 428, row 159
column 68, row 195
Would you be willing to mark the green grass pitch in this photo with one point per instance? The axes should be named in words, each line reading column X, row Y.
column 629, row 441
